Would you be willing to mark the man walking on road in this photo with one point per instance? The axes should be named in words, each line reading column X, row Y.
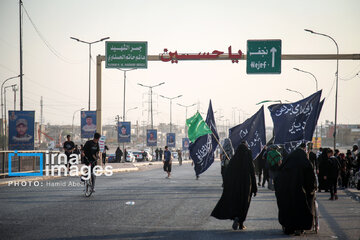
column 179, row 156
column 274, row 160
column 69, row 147
column 157, row 154
column 167, row 161
column 160, row 154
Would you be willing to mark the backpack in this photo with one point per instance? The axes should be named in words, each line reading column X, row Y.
column 273, row 158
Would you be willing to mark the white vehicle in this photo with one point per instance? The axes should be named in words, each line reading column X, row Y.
column 130, row 157
column 148, row 155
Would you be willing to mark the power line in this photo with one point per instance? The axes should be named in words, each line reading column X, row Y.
column 348, row 79
column 47, row 44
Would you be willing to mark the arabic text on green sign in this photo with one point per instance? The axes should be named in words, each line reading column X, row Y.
column 263, row 56
column 126, row 54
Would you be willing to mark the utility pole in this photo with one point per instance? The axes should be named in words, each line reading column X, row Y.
column 117, row 127
column 21, row 58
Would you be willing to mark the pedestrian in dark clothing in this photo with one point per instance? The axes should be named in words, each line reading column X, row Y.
column 167, row 161
column 157, row 154
column 125, row 155
column 274, row 160
column 239, row 186
column 261, row 160
column 312, row 157
column 332, row 167
column 68, row 147
column 179, row 156
column 344, row 171
column 103, row 154
column 322, row 160
column 160, row 154
column 118, row 154
column 295, row 188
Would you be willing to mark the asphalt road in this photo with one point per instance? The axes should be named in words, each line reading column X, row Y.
column 176, row 208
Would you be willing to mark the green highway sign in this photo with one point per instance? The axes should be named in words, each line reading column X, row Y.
column 125, row 54
column 263, row 57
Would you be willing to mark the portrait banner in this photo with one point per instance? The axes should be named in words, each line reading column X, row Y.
column 124, row 132
column 88, row 124
column 21, row 130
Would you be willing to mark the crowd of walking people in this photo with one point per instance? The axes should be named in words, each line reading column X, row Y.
column 295, row 178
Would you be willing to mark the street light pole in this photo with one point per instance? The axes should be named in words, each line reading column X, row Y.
column 297, row 69
column 170, row 108
column 265, row 101
column 72, row 129
column 295, row 92
column 14, row 90
column 2, row 106
column 125, row 88
column 186, row 107
column 151, row 108
column 337, row 77
column 89, row 43
column 131, row 109
column 11, row 86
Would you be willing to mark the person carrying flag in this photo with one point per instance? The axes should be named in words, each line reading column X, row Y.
column 239, row 186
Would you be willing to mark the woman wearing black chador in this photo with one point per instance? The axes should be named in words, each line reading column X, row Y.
column 239, row 186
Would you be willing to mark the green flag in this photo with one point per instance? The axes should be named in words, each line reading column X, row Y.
column 197, row 127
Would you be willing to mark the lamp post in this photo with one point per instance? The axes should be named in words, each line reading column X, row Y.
column 295, row 92
column 297, row 69
column 89, row 43
column 265, row 101
column 11, row 86
column 186, row 107
column 151, row 108
column 170, row 107
column 2, row 107
column 2, row 86
column 337, row 77
column 72, row 131
column 125, row 88
column 15, row 88
column 131, row 109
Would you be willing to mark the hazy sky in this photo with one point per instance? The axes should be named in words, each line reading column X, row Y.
column 188, row 27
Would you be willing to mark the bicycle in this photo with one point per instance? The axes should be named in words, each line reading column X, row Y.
column 89, row 187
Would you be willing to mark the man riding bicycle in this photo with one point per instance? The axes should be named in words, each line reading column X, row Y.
column 91, row 153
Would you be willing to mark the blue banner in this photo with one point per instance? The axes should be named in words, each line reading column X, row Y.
column 251, row 131
column 151, row 137
column 185, row 144
column 291, row 146
column 21, row 130
column 202, row 150
column 88, row 124
column 170, row 139
column 295, row 122
column 124, row 132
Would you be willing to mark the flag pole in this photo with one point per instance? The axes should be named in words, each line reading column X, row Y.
column 220, row 145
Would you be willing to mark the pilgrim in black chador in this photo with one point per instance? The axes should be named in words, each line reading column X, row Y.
column 295, row 192
column 239, row 185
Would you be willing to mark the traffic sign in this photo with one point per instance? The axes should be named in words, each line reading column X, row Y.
column 263, row 57
column 125, row 54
